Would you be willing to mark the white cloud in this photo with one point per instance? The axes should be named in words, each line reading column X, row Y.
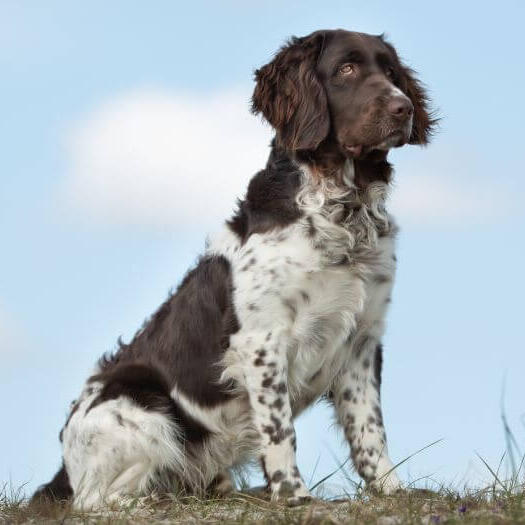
column 160, row 159
column 431, row 200
column 163, row 159
column 444, row 186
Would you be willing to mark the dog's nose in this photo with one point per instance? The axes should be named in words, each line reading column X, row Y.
column 400, row 107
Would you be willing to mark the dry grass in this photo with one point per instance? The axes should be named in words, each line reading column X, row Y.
column 489, row 506
column 502, row 502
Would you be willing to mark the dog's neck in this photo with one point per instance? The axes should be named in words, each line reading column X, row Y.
column 334, row 195
column 327, row 161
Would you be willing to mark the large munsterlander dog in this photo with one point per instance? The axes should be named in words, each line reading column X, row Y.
column 286, row 305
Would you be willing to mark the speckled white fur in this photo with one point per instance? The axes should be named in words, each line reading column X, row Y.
column 310, row 299
column 116, row 449
column 318, row 323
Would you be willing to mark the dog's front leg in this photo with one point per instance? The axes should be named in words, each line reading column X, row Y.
column 265, row 372
column 356, row 395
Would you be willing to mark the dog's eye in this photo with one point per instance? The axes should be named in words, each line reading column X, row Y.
column 390, row 73
column 346, row 69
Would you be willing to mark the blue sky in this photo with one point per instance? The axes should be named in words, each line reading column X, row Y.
column 115, row 120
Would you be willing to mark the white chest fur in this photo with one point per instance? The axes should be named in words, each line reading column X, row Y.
column 319, row 284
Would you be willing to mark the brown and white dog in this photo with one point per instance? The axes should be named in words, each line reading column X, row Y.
column 287, row 304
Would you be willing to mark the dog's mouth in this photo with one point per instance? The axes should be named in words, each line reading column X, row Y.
column 394, row 140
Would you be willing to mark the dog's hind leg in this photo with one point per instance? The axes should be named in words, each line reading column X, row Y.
column 122, row 438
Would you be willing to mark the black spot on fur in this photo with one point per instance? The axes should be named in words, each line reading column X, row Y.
column 347, row 395
column 276, row 421
column 267, row 382
column 379, row 414
column 378, row 364
column 281, row 388
column 282, row 434
column 312, row 230
column 278, row 475
column 278, row 403
column 286, row 489
column 268, row 429
column 249, row 264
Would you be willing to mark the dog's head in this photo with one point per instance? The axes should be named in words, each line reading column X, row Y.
column 345, row 87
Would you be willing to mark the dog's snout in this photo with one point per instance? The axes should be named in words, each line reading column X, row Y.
column 400, row 107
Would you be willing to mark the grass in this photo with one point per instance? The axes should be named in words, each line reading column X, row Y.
column 488, row 506
column 500, row 502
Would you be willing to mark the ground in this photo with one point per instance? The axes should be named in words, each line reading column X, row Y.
column 488, row 506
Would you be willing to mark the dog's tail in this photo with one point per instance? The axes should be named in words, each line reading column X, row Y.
column 58, row 489
column 124, row 437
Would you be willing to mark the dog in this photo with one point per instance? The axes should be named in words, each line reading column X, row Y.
column 285, row 307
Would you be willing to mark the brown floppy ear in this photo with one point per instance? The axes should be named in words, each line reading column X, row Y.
column 291, row 97
column 425, row 121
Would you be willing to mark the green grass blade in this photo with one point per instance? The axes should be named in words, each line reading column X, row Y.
column 410, row 457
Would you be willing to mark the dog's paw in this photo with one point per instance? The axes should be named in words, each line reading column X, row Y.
column 291, row 493
column 387, row 485
column 222, row 485
column 296, row 501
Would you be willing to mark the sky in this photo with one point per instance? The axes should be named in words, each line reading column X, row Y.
column 125, row 138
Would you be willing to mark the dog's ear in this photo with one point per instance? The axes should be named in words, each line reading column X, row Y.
column 291, row 97
column 425, row 121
